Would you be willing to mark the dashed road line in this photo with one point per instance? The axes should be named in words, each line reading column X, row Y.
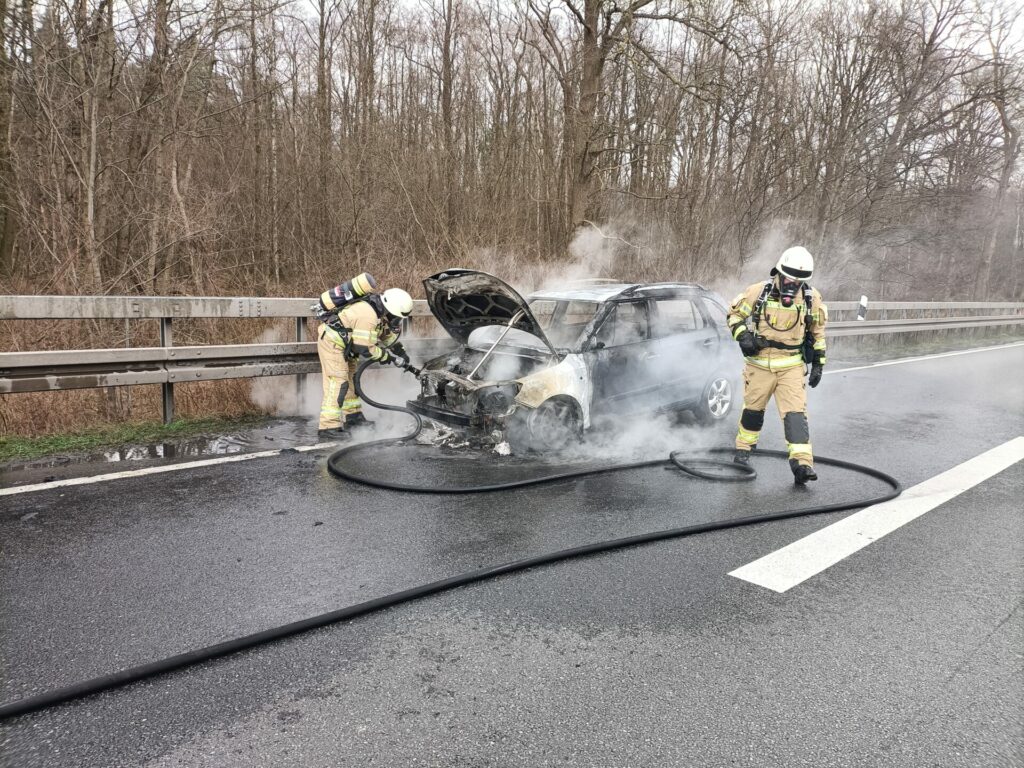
column 784, row 568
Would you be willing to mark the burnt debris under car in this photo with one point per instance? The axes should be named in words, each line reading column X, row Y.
column 543, row 369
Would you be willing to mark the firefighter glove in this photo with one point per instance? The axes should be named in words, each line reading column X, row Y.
column 385, row 358
column 398, row 351
column 816, row 370
column 749, row 344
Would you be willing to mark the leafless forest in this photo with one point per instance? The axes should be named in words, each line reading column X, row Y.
column 262, row 147
column 254, row 147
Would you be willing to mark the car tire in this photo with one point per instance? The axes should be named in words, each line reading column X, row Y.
column 716, row 400
column 553, row 426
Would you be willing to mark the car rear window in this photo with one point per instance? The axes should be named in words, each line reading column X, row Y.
column 677, row 316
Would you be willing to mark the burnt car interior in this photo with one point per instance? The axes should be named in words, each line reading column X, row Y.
column 626, row 323
column 564, row 321
column 677, row 316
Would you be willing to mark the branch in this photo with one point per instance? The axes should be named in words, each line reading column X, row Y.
column 689, row 24
column 575, row 12
column 612, row 237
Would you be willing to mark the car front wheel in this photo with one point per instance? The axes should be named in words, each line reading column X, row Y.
column 555, row 424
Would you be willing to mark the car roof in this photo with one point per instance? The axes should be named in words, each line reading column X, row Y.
column 608, row 291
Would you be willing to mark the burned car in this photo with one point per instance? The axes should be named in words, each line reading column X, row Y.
column 546, row 368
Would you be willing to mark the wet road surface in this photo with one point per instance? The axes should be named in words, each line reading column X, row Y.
column 907, row 653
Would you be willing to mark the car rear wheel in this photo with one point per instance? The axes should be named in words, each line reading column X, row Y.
column 716, row 402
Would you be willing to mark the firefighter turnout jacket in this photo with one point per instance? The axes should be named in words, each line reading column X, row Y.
column 364, row 329
column 779, row 325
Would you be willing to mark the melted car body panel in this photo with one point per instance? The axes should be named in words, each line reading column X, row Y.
column 571, row 377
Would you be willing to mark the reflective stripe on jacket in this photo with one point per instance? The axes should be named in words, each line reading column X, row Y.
column 369, row 334
column 781, row 324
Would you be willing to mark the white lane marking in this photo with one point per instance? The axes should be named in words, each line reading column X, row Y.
column 304, row 448
column 797, row 562
column 902, row 360
column 159, row 470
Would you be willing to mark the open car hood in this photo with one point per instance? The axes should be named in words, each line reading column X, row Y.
column 463, row 300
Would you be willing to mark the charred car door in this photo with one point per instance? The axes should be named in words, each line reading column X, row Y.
column 685, row 349
column 618, row 353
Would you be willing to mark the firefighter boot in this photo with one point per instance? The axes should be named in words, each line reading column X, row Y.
column 741, row 457
column 357, row 420
column 338, row 434
column 802, row 474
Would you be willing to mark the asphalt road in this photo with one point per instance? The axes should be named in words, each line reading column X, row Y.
column 908, row 653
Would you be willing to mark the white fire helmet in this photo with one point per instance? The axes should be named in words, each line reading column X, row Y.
column 795, row 263
column 397, row 302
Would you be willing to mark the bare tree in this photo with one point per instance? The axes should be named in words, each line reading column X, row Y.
column 247, row 145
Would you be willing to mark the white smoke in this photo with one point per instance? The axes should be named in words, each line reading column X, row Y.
column 285, row 395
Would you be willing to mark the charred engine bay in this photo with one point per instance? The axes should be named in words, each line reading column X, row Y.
column 473, row 388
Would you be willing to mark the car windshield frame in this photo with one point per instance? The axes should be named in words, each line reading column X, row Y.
column 551, row 323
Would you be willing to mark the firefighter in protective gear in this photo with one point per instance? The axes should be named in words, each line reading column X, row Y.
column 780, row 326
column 356, row 323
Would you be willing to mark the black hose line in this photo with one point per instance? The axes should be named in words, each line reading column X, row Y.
column 200, row 655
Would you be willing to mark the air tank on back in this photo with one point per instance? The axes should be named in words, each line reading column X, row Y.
column 337, row 297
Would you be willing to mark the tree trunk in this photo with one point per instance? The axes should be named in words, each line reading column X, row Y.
column 585, row 146
column 8, row 183
column 323, row 119
column 447, row 85
column 1011, row 139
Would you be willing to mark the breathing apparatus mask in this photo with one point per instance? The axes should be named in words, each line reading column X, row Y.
column 788, row 289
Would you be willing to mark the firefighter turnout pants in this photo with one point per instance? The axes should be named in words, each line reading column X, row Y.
column 787, row 385
column 337, row 371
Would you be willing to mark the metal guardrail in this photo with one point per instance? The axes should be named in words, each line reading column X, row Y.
column 47, row 371
column 876, row 327
column 168, row 365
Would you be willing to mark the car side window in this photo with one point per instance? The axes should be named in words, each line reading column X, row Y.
column 625, row 324
column 717, row 313
column 677, row 316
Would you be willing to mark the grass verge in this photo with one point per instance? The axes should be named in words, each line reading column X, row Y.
column 26, row 448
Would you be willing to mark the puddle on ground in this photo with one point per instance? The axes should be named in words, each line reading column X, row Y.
column 190, row 448
column 270, row 435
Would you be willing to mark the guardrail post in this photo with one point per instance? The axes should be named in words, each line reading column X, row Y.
column 166, row 340
column 300, row 379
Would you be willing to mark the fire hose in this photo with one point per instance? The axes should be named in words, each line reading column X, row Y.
column 676, row 459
